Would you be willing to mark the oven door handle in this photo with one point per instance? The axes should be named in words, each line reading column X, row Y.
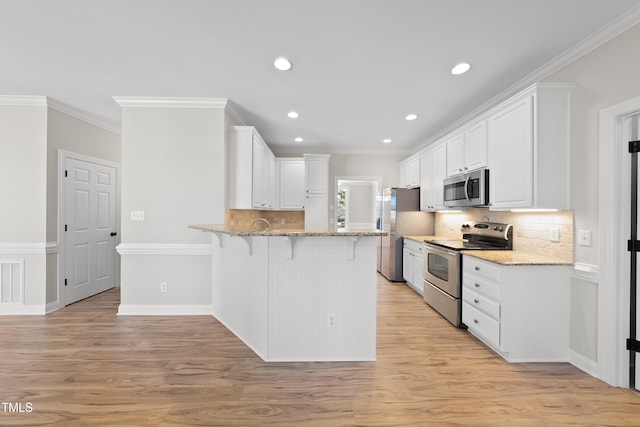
column 437, row 250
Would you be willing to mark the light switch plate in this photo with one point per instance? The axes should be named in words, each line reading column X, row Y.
column 137, row 215
column 554, row 234
column 584, row 237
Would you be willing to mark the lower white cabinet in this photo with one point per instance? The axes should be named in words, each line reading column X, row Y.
column 412, row 263
column 520, row 311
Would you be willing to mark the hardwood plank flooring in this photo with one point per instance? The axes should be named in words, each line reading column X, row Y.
column 85, row 366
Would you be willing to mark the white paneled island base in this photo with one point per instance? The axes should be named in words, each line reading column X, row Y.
column 297, row 296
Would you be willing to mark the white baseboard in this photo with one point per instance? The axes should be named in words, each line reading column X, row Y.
column 164, row 310
column 583, row 363
column 13, row 309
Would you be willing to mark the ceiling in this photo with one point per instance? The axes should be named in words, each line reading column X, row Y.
column 359, row 66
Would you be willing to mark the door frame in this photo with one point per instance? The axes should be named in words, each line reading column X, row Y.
column 377, row 180
column 614, row 217
column 63, row 155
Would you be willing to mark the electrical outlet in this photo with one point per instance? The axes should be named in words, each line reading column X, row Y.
column 331, row 320
column 164, row 287
column 137, row 215
column 554, row 234
column 281, row 221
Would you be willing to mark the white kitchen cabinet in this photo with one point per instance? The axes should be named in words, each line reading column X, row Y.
column 432, row 174
column 316, row 209
column 316, row 173
column 467, row 150
column 251, row 171
column 291, row 179
column 412, row 263
column 455, row 149
column 410, row 173
column 528, row 149
column 316, row 212
column 520, row 311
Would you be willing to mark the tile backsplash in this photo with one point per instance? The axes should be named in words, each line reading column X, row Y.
column 241, row 219
column 532, row 230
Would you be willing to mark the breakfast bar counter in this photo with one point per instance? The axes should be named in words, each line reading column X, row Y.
column 297, row 295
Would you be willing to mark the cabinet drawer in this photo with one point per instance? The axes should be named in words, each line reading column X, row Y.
column 412, row 245
column 481, row 324
column 481, row 268
column 481, row 286
column 481, row 302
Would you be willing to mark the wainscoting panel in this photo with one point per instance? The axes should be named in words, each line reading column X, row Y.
column 12, row 281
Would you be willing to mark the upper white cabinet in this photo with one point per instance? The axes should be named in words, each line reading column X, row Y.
column 291, row 183
column 432, row 174
column 251, row 171
column 528, row 149
column 410, row 173
column 467, row 150
column 316, row 173
column 316, row 213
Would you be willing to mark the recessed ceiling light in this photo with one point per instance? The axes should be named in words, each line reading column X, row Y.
column 386, row 141
column 293, row 115
column 461, row 68
column 282, row 64
column 298, row 139
column 411, row 117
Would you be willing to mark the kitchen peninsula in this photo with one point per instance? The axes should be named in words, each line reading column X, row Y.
column 297, row 295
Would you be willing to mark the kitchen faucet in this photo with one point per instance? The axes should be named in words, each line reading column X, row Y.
column 255, row 221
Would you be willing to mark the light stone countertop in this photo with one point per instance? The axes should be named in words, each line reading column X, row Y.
column 219, row 228
column 516, row 258
column 421, row 238
column 503, row 257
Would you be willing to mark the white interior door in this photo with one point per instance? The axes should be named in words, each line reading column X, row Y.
column 90, row 226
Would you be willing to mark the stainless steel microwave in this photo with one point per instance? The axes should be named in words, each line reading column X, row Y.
column 467, row 190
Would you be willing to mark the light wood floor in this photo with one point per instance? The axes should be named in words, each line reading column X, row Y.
column 84, row 366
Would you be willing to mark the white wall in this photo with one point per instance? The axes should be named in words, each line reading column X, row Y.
column 23, row 172
column 173, row 169
column 23, row 179
column 604, row 77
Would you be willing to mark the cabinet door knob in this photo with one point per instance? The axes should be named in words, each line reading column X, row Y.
column 476, row 321
column 477, row 268
column 476, row 300
column 477, row 285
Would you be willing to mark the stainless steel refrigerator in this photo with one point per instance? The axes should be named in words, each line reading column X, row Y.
column 401, row 216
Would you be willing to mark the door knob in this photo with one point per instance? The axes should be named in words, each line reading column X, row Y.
column 113, row 233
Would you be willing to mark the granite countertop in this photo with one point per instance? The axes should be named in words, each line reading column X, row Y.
column 503, row 257
column 218, row 228
column 421, row 238
column 516, row 258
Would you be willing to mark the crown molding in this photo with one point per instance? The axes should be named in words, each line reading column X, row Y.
column 160, row 102
column 23, row 100
column 82, row 115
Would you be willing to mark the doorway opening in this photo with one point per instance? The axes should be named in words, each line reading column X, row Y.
column 357, row 200
column 618, row 126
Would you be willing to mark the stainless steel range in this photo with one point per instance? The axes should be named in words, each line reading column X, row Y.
column 443, row 264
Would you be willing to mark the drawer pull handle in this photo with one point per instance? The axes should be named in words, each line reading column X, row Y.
column 476, row 321
column 477, row 268
column 477, row 285
column 477, row 301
